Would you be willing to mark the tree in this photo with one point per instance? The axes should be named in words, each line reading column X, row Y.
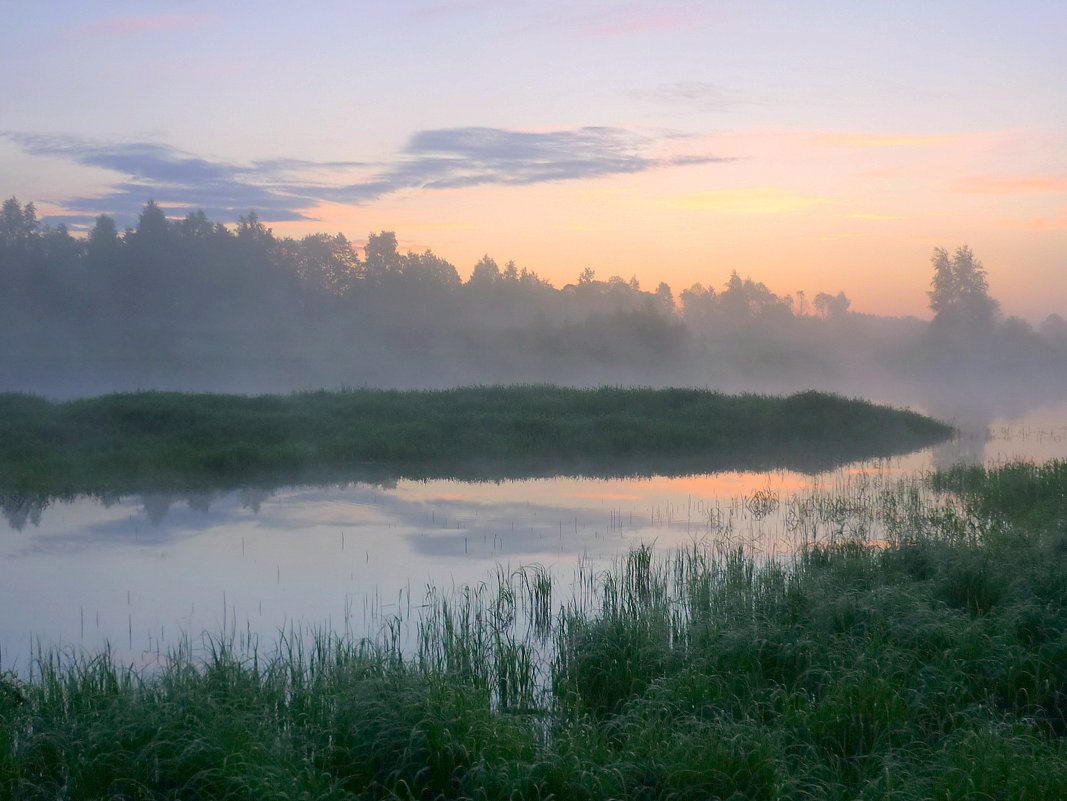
column 959, row 296
column 251, row 230
column 429, row 270
column 1053, row 329
column 106, row 267
column 17, row 223
column 831, row 307
column 485, row 273
column 152, row 225
column 104, row 236
column 381, row 258
column 327, row 265
column 61, row 250
column 748, row 299
column 665, row 296
column 197, row 227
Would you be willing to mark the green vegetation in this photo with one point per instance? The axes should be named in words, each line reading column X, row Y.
column 930, row 665
column 146, row 440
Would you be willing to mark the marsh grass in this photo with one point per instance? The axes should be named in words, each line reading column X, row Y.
column 929, row 663
column 150, row 440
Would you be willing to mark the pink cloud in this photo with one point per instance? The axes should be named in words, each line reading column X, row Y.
column 128, row 26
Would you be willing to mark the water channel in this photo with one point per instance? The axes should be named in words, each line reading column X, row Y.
column 139, row 573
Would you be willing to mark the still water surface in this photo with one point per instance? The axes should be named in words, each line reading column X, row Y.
column 141, row 571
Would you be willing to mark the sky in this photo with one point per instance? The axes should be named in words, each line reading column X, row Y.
column 816, row 146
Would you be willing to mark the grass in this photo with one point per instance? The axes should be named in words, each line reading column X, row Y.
column 929, row 665
column 154, row 440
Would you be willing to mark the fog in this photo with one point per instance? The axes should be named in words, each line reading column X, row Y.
column 194, row 305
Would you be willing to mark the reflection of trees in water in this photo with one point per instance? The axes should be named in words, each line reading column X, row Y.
column 19, row 509
column 22, row 509
column 200, row 501
column 157, row 505
column 253, row 497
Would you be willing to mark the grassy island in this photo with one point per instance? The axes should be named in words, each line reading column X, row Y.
column 146, row 440
column 929, row 665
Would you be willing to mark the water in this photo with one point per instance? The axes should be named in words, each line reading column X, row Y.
column 140, row 572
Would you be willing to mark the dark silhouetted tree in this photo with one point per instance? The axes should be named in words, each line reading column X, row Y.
column 327, row 265
column 197, row 227
column 746, row 298
column 103, row 238
column 152, row 226
column 429, row 270
column 251, row 229
column 832, row 307
column 17, row 224
column 485, row 273
column 959, row 296
column 665, row 296
column 381, row 258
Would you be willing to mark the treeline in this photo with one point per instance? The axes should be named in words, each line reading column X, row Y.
column 194, row 304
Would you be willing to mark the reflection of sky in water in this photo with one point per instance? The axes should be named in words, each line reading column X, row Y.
column 140, row 570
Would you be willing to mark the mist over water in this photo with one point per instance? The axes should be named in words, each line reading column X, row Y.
column 191, row 305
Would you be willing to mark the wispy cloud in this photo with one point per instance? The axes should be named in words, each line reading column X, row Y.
column 129, row 26
column 175, row 179
column 281, row 189
column 452, row 158
column 1010, row 185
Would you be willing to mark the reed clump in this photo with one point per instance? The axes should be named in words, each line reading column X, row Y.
column 928, row 664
